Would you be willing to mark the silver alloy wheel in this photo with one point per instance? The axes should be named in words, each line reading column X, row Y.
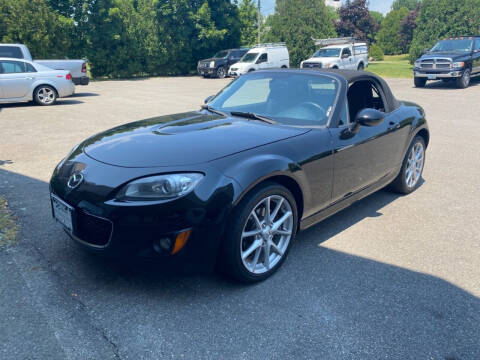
column 221, row 73
column 46, row 95
column 415, row 165
column 266, row 234
column 466, row 78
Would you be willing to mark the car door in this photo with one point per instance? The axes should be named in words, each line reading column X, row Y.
column 262, row 62
column 476, row 56
column 347, row 59
column 15, row 81
column 364, row 155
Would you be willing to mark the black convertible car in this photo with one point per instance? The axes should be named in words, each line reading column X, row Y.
column 271, row 154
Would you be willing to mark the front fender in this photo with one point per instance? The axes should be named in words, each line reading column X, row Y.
column 249, row 170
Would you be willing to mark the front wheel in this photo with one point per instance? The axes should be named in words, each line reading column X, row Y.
column 45, row 95
column 221, row 72
column 464, row 81
column 408, row 180
column 260, row 234
column 419, row 82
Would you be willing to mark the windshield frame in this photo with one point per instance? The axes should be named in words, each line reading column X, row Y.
column 335, row 56
column 453, row 41
column 328, row 123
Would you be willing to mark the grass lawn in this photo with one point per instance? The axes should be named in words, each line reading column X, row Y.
column 395, row 66
column 8, row 226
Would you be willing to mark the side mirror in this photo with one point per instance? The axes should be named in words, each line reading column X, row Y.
column 345, row 56
column 207, row 100
column 370, row 117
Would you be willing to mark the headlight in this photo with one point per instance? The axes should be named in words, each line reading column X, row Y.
column 212, row 64
column 417, row 64
column 160, row 187
column 458, row 64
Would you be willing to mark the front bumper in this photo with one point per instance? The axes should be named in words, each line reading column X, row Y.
column 435, row 74
column 202, row 71
column 113, row 228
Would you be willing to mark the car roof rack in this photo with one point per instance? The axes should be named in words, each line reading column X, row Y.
column 279, row 44
column 336, row 41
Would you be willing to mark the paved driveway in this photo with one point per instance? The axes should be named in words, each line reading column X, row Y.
column 391, row 277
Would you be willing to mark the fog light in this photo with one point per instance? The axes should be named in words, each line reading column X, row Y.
column 181, row 241
column 162, row 245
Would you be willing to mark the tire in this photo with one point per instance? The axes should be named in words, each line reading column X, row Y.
column 243, row 256
column 464, row 81
column 403, row 183
column 419, row 82
column 361, row 67
column 221, row 72
column 251, row 70
column 45, row 95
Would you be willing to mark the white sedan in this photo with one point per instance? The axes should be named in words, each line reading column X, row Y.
column 22, row 80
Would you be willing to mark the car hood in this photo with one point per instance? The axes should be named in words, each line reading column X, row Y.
column 182, row 139
column 321, row 59
column 241, row 65
column 445, row 55
column 211, row 59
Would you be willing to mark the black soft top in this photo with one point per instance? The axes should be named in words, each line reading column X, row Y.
column 352, row 76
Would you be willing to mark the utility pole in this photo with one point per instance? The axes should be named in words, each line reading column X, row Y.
column 259, row 21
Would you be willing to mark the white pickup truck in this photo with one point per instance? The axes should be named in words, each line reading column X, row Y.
column 78, row 68
column 341, row 53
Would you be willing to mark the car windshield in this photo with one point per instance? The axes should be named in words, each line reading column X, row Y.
column 221, row 54
column 331, row 52
column 249, row 57
column 288, row 98
column 459, row 45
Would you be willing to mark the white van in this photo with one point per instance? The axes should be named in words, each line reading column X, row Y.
column 260, row 57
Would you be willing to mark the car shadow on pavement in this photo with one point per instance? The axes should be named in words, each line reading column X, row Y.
column 450, row 85
column 60, row 102
column 322, row 304
column 83, row 94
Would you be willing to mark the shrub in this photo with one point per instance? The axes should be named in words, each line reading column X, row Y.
column 376, row 52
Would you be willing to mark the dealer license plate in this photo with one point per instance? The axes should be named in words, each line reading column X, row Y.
column 432, row 77
column 62, row 212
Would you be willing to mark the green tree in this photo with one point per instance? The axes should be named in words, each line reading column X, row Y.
column 248, row 16
column 409, row 4
column 389, row 36
column 32, row 23
column 443, row 18
column 298, row 21
column 377, row 16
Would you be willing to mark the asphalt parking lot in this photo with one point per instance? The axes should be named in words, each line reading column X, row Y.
column 390, row 278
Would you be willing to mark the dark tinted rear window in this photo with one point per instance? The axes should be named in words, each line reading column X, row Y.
column 11, row 52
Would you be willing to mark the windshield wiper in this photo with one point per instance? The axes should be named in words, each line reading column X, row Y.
column 253, row 116
column 215, row 111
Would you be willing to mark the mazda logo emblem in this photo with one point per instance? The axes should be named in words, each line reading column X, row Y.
column 75, row 180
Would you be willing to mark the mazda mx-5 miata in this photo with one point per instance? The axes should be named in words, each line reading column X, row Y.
column 273, row 153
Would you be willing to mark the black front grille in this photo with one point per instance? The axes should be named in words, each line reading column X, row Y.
column 312, row 65
column 92, row 229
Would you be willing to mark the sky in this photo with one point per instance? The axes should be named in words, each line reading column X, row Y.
column 268, row 6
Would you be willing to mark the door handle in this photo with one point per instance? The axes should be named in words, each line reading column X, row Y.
column 29, row 78
column 393, row 125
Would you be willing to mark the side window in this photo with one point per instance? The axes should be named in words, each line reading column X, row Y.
column 346, row 52
column 11, row 52
column 476, row 45
column 377, row 99
column 12, row 67
column 263, row 58
column 30, row 68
